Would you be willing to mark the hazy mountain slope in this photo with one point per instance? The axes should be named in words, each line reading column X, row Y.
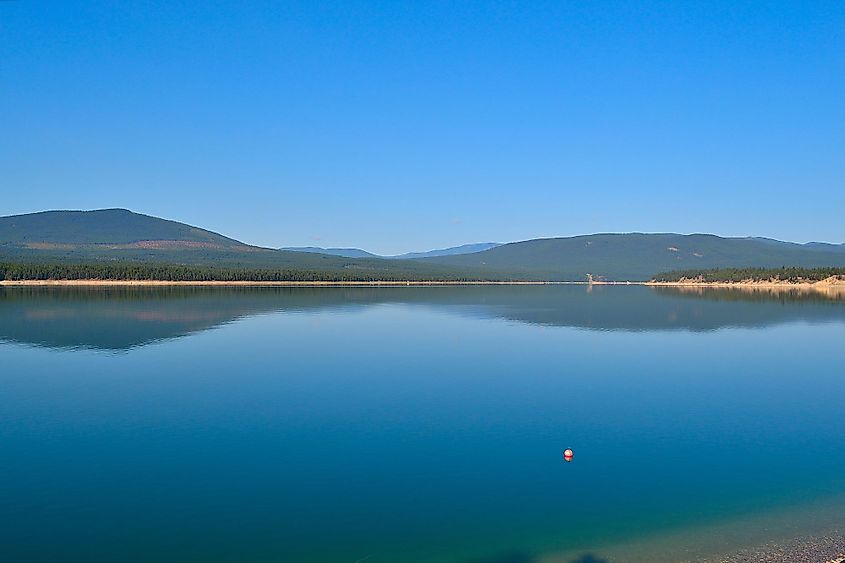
column 358, row 253
column 453, row 251
column 345, row 252
column 106, row 227
column 638, row 256
column 825, row 246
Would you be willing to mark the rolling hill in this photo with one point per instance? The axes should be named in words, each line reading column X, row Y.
column 638, row 256
column 117, row 228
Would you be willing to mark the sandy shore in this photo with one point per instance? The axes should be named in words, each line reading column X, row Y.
column 831, row 287
column 773, row 284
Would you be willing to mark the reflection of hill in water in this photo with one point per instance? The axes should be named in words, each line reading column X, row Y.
column 122, row 318
column 818, row 293
column 113, row 318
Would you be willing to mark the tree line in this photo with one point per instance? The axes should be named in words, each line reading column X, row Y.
column 787, row 274
column 20, row 271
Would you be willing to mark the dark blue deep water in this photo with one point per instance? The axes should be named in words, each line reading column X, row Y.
column 411, row 424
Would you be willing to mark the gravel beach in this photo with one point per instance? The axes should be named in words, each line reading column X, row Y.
column 827, row 548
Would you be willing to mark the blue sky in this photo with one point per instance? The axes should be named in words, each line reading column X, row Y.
column 403, row 126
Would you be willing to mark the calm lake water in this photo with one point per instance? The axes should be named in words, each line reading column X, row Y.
column 416, row 424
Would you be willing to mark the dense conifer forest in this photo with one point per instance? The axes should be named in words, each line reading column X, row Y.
column 16, row 271
column 787, row 274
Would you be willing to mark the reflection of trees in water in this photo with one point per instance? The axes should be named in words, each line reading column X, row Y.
column 786, row 294
column 120, row 318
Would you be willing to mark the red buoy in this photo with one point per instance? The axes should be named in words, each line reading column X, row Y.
column 568, row 454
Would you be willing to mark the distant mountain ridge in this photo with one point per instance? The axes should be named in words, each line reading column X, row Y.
column 119, row 235
column 344, row 252
column 451, row 251
column 358, row 253
column 825, row 246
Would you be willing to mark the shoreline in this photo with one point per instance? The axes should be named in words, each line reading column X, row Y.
column 831, row 287
column 749, row 284
column 824, row 285
column 806, row 531
column 382, row 283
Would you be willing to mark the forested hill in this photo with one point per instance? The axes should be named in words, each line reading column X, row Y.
column 734, row 275
column 113, row 227
column 638, row 257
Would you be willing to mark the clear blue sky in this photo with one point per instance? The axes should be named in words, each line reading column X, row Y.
column 401, row 126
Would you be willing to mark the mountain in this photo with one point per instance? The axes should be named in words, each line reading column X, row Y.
column 638, row 256
column 453, row 251
column 118, row 228
column 345, row 252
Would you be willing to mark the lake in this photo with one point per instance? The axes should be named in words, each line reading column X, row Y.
column 416, row 423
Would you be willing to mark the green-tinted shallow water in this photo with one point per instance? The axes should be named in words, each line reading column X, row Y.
column 413, row 424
